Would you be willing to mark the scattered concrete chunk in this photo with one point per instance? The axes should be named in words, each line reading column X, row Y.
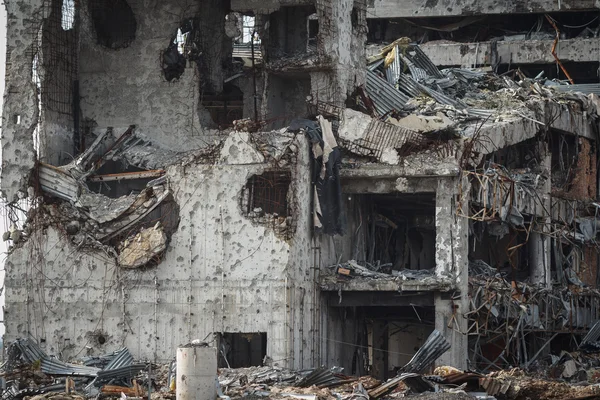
column 138, row 250
column 424, row 123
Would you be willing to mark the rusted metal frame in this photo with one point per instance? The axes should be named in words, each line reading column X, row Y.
column 553, row 51
column 155, row 173
column 117, row 143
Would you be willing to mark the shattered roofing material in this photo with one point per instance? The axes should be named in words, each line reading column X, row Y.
column 385, row 96
column 432, row 349
column 56, row 182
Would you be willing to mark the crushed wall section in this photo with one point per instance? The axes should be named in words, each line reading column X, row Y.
column 221, row 273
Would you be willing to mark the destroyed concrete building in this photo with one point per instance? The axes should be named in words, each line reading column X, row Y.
column 258, row 172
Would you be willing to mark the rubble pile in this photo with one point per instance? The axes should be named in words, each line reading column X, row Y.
column 30, row 373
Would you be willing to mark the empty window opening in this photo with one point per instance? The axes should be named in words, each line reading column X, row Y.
column 313, row 32
column 267, row 194
column 182, row 47
column 248, row 29
column 289, row 31
column 393, row 231
column 242, row 350
column 114, row 23
column 247, row 42
column 68, row 14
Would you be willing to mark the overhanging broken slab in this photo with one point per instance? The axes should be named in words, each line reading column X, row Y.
column 419, row 9
column 360, row 284
column 514, row 52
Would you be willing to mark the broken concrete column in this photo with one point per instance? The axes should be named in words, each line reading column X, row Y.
column 451, row 259
column 196, row 373
column 450, row 321
column 20, row 111
column 216, row 46
column 539, row 257
column 451, row 248
column 540, row 244
column 342, row 35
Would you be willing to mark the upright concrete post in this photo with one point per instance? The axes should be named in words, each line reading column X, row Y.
column 196, row 371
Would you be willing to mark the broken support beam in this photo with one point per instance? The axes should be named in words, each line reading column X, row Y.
column 122, row 176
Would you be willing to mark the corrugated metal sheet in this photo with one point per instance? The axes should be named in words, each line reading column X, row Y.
column 394, row 70
column 586, row 88
column 385, row 96
column 432, row 349
column 591, row 341
column 125, row 372
column 122, row 358
column 408, row 85
column 420, row 60
column 52, row 366
column 31, row 352
column 245, row 51
column 56, row 182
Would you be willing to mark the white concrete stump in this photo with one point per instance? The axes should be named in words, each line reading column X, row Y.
column 196, row 372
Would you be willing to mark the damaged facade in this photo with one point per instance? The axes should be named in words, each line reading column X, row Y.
column 302, row 180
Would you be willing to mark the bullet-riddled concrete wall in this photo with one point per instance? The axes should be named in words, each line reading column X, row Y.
column 126, row 86
column 222, row 272
column 20, row 109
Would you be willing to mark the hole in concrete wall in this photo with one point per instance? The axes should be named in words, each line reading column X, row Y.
column 114, row 23
column 267, row 194
column 182, row 47
column 68, row 14
column 101, row 339
column 354, row 17
column 242, row 350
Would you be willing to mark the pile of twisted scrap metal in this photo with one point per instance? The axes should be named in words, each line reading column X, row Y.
column 29, row 371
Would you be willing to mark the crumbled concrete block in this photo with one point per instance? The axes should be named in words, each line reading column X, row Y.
column 138, row 250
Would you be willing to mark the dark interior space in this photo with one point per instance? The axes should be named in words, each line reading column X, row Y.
column 397, row 231
column 225, row 107
column 502, row 247
column 486, row 27
column 241, row 350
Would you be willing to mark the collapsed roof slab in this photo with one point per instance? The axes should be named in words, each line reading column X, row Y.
column 421, row 165
column 265, row 6
column 446, row 8
column 391, row 284
column 494, row 135
column 514, row 52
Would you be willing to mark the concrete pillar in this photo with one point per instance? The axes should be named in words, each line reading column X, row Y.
column 451, row 258
column 380, row 347
column 539, row 258
column 450, row 321
column 196, row 373
column 539, row 244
